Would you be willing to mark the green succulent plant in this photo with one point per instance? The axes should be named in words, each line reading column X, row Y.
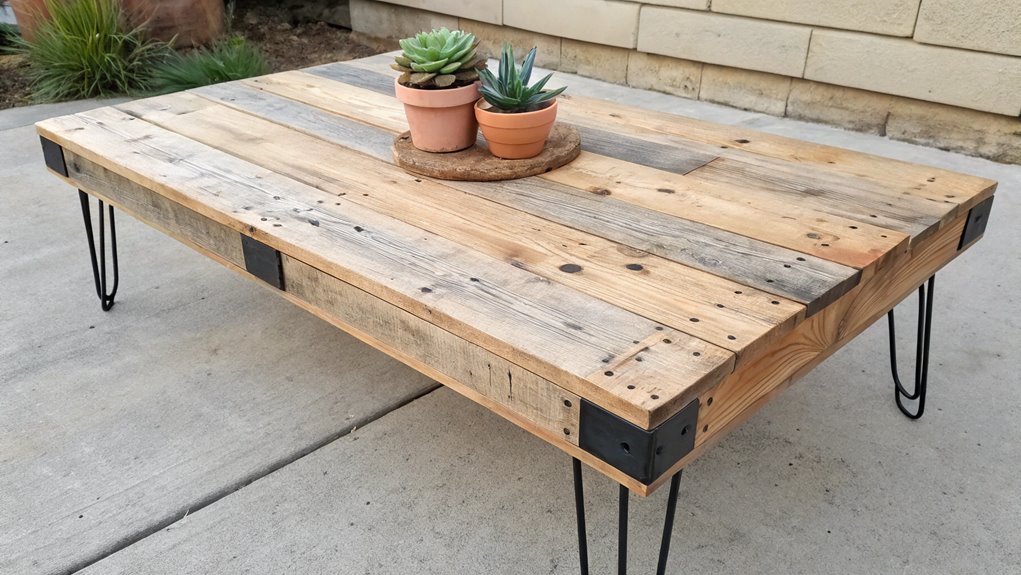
column 509, row 91
column 439, row 59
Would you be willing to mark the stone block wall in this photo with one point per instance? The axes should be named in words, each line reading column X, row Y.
column 945, row 73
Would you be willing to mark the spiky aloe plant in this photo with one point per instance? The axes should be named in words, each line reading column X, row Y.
column 439, row 59
column 509, row 91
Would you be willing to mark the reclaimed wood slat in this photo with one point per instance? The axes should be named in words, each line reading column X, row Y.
column 899, row 196
column 894, row 178
column 743, row 392
column 545, row 327
column 804, row 278
column 790, row 225
column 847, row 241
column 658, row 289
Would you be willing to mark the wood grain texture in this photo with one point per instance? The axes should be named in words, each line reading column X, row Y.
column 730, row 315
column 545, row 327
column 755, row 383
column 787, row 224
column 478, row 165
column 805, row 278
column 893, row 178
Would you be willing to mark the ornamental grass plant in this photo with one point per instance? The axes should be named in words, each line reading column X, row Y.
column 86, row 50
column 231, row 59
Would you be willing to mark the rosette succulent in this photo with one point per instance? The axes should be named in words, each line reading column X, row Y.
column 509, row 91
column 439, row 59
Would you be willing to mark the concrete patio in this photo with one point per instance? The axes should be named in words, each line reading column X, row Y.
column 205, row 426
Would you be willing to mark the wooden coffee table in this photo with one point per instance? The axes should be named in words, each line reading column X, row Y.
column 629, row 308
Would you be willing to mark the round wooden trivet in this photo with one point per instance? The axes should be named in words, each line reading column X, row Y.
column 477, row 164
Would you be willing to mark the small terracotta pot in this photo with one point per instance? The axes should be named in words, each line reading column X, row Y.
column 440, row 120
column 516, row 136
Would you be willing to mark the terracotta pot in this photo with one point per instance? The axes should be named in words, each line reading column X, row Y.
column 516, row 136
column 440, row 120
column 29, row 13
column 192, row 22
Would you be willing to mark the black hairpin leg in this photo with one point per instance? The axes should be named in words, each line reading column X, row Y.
column 99, row 265
column 668, row 524
column 921, row 354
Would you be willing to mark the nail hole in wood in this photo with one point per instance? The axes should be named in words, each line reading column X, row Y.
column 882, row 235
column 567, row 403
column 634, row 267
column 570, row 268
column 787, row 265
column 853, row 227
column 823, row 245
column 768, row 281
column 731, row 337
column 696, row 353
column 667, row 341
column 705, row 428
column 693, row 319
column 608, row 373
column 738, row 292
column 639, row 358
column 800, row 259
column 684, row 431
column 425, row 290
column 654, row 396
column 720, row 305
column 567, row 431
column 709, row 402
column 630, row 387
column 626, row 448
column 659, row 328
column 742, row 141
column 775, row 302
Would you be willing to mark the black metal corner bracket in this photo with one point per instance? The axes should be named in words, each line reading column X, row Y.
column 99, row 264
column 975, row 225
column 263, row 262
column 642, row 454
column 53, row 155
column 622, row 523
column 925, row 297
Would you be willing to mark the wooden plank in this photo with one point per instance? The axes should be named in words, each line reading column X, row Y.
column 897, row 179
column 743, row 322
column 801, row 277
column 545, row 327
column 788, row 224
column 755, row 383
column 899, row 196
column 641, row 152
column 848, row 241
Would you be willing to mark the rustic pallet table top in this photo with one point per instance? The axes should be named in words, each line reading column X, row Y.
column 674, row 261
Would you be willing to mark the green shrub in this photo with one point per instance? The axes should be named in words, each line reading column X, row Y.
column 229, row 59
column 8, row 35
column 86, row 50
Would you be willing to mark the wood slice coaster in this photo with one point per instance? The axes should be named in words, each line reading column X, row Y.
column 477, row 164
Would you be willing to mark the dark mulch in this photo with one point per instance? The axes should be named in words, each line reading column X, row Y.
column 288, row 45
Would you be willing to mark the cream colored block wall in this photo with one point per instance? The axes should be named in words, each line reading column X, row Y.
column 938, row 72
column 986, row 25
column 608, row 22
column 985, row 82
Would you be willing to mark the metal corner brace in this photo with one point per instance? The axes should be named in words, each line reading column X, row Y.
column 642, row 454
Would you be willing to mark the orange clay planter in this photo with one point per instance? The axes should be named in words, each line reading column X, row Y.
column 515, row 136
column 440, row 120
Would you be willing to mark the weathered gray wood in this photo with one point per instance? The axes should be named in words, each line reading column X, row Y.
column 593, row 139
column 638, row 151
column 830, row 194
column 348, row 74
column 545, row 327
column 355, row 135
column 787, row 273
column 803, row 278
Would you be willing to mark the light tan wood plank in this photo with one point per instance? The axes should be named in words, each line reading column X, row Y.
column 801, row 277
column 898, row 179
column 786, row 224
column 547, row 328
column 755, row 383
column 664, row 291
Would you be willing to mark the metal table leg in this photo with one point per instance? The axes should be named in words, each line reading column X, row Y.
column 99, row 265
column 668, row 524
column 901, row 394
